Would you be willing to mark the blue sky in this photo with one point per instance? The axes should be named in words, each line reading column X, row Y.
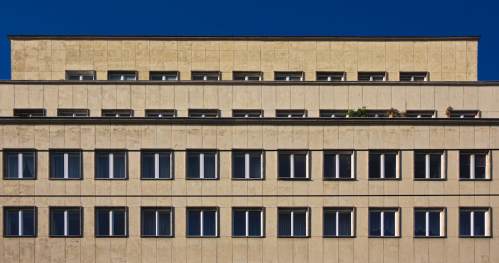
column 263, row 18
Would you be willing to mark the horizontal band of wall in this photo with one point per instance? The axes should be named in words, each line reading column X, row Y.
column 434, row 195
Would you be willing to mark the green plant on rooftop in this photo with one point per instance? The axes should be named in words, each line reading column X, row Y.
column 360, row 112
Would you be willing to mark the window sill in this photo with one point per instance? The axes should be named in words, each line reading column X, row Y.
column 65, row 179
column 430, row 236
column 54, row 236
column 339, row 237
column 475, row 236
column 384, row 179
column 202, row 236
column 6, row 236
column 171, row 236
column 430, row 179
column 293, row 236
column 248, row 236
column 97, row 236
column 110, row 178
column 383, row 236
column 201, row 178
column 293, row 179
column 5, row 178
column 338, row 179
column 247, row 179
column 473, row 180
column 147, row 179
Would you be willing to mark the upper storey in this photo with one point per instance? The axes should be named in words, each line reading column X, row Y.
column 49, row 57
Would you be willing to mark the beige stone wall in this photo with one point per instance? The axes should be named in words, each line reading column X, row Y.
column 49, row 59
column 228, row 97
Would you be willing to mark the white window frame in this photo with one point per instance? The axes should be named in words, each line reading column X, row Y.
column 334, row 114
column 427, row 165
column 156, row 165
column 246, row 113
column 337, row 211
column 122, row 76
column 382, row 165
column 77, row 114
column 330, row 75
column 293, row 210
column 21, row 221
column 290, row 113
column 247, row 220
column 203, row 113
column 80, row 74
column 157, row 210
column 288, row 75
column 201, row 165
column 472, row 211
column 419, row 114
column 463, row 113
column 117, row 114
column 201, row 219
column 160, row 114
column 247, row 75
column 111, row 165
column 382, row 221
column 472, row 166
column 372, row 75
column 247, row 165
column 292, row 163
column 20, row 165
column 427, row 221
column 337, row 166
column 111, row 221
column 164, row 75
column 205, row 76
column 66, row 222
column 414, row 75
column 66, row 165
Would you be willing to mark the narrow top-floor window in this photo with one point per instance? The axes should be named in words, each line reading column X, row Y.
column 290, row 113
column 414, row 76
column 247, row 76
column 203, row 113
column 122, row 75
column 372, row 76
column 331, row 76
column 206, row 75
column 72, row 112
column 247, row 113
column 117, row 113
column 464, row 114
column 29, row 112
column 160, row 113
column 80, row 74
column 288, row 76
column 164, row 75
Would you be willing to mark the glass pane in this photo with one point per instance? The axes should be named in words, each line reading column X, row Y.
column 284, row 223
column 390, row 166
column 480, row 164
column 197, row 77
column 103, row 223
column 156, row 77
column 193, row 165
column 300, row 224
column 28, row 165
column 300, row 165
column 57, row 167
column 12, row 165
column 148, row 165
column 435, row 165
column 434, row 224
column 239, row 223
column 170, row 77
column 164, row 165
column 119, row 165
column 164, row 223
column 74, row 223
column 114, row 77
column 280, row 77
column 465, row 223
column 58, row 223
column 329, row 223
column 464, row 166
column 212, row 78
column 238, row 166
column 322, row 78
column 389, row 223
column 255, row 223
column 375, row 223
column 209, row 165
column 420, row 166
column 479, row 221
column 284, row 165
column 13, row 223
column 209, row 223
column 130, row 77
column 74, row 77
column 73, row 165
column 420, row 224
column 345, row 166
column 329, row 165
column 88, row 77
column 28, row 223
column 253, row 78
column 149, row 223
column 294, row 78
column 374, row 166
column 194, row 224
column 345, row 224
column 119, row 223
column 102, row 165
column 255, row 166
column 239, row 77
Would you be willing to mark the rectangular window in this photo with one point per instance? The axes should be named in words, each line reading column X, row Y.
column 413, row 76
column 247, row 165
column 163, row 75
column 20, row 165
column 247, row 76
column 474, row 222
column 247, row 222
column 80, row 74
column 372, row 76
column 110, row 221
column 202, row 165
column 160, row 113
column 203, row 113
column 111, row 165
column 473, row 166
column 65, row 165
column 72, row 112
column 65, row 221
column 383, row 222
column 156, row 222
column 290, row 113
column 19, row 221
column 464, row 114
column 331, row 76
column 247, row 113
column 202, row 222
column 156, row 165
column 122, row 75
column 338, row 165
column 338, row 222
column 428, row 166
column 428, row 223
column 29, row 112
column 292, row 222
column 206, row 76
column 288, row 76
column 117, row 113
column 420, row 114
column 383, row 165
column 293, row 165
column 333, row 113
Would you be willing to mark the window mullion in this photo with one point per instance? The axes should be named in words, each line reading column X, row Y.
column 111, row 165
column 20, row 222
column 292, row 222
column 337, row 223
column 337, row 168
column 427, row 223
column 201, row 222
column 382, row 227
column 472, row 166
column 156, row 165
column 246, row 165
column 247, row 223
column 111, row 223
column 20, row 165
column 427, row 166
column 66, row 164
column 382, row 166
column 157, row 222
column 201, row 165
column 472, row 222
column 66, row 223
column 292, row 163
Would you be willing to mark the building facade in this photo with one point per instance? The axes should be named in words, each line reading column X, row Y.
column 244, row 149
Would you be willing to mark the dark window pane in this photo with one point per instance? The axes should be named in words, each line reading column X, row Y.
column 28, row 223
column 434, row 224
column 209, row 223
column 103, row 165
column 164, row 223
column 119, row 165
column 238, row 166
column 13, row 223
column 28, row 165
column 88, row 77
column 390, row 166
column 103, row 223
column 239, row 223
column 255, row 223
column 255, row 166
column 374, row 166
column 57, row 165
column 389, row 224
column 74, row 223
column 464, row 166
column 480, row 164
column 420, row 224
column 465, row 223
column 435, row 165
column 375, row 223
column 345, row 166
column 73, row 165
column 58, row 223
column 209, row 165
column 300, row 165
column 420, row 166
column 300, row 224
column 164, row 165
column 13, row 165
column 194, row 224
column 74, row 77
column 479, row 224
column 156, row 77
column 193, row 165
column 149, row 223
column 345, row 224
column 148, row 165
column 329, row 165
column 329, row 224
column 284, row 223
column 119, row 223
column 284, row 165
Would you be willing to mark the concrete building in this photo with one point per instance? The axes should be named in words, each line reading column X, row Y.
column 239, row 149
